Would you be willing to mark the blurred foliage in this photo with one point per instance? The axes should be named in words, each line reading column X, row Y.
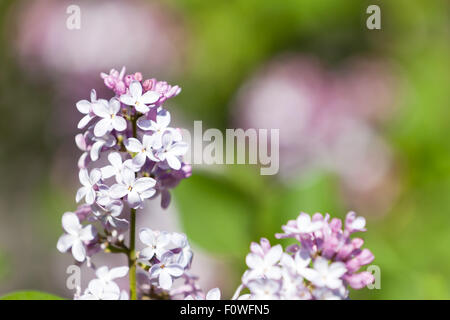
column 224, row 212
column 30, row 295
column 230, row 39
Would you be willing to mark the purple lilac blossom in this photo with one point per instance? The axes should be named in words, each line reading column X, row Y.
column 143, row 163
column 322, row 264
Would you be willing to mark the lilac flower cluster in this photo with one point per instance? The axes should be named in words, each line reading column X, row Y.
column 144, row 160
column 322, row 265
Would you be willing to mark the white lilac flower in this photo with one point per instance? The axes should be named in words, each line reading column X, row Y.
column 117, row 167
column 303, row 225
column 156, row 243
column 158, row 127
column 86, row 108
column 104, row 287
column 107, row 141
column 143, row 150
column 89, row 181
column 181, row 245
column 324, row 293
column 110, row 119
column 125, row 182
column 171, row 151
column 166, row 270
column 81, row 140
column 103, row 195
column 136, row 190
column 325, row 274
column 297, row 265
column 213, row 294
column 266, row 266
column 109, row 215
column 354, row 223
column 75, row 237
column 135, row 98
column 293, row 287
column 264, row 289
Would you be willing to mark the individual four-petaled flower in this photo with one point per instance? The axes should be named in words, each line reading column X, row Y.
column 76, row 236
column 140, row 101
column 136, row 190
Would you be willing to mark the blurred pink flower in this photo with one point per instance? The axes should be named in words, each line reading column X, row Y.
column 326, row 119
column 113, row 33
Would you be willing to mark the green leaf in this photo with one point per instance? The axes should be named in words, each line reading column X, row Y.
column 30, row 295
column 215, row 214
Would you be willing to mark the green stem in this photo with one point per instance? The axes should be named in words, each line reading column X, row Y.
column 132, row 260
column 132, row 256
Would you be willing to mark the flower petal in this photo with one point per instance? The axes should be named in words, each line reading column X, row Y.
column 78, row 251
column 128, row 176
column 139, row 159
column 149, row 97
column 133, row 145
column 147, row 236
column 143, row 184
column 127, row 99
column 90, row 196
column 114, row 105
column 64, row 242
column 83, row 175
column 144, row 123
column 88, row 233
column 147, row 193
column 118, row 272
column 135, row 89
column 163, row 118
column 274, row 255
column 179, row 148
column 102, row 127
column 174, row 270
column 134, row 200
column 95, row 287
column 84, row 121
column 165, row 280
column 337, row 269
column 95, row 176
column 213, row 294
column 118, row 191
column 84, row 106
column 102, row 273
column 100, row 108
column 147, row 253
column 119, row 123
column 95, row 150
column 81, row 193
column 71, row 223
column 173, row 162
column 253, row 261
column 108, row 172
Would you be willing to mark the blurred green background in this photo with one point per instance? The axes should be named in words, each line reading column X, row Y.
column 223, row 44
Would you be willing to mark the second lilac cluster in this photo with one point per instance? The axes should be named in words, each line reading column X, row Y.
column 321, row 265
